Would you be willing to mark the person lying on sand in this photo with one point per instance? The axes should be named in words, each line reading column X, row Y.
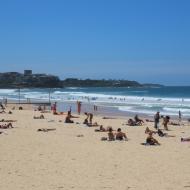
column 39, row 117
column 6, row 126
column 131, row 122
column 102, row 129
column 148, row 120
column 120, row 135
column 151, row 141
column 108, row 118
column 9, row 120
column 59, row 113
column 185, row 139
column 161, row 134
column 138, row 121
column 90, row 124
column 45, row 129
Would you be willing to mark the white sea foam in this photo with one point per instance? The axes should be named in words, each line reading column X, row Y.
column 138, row 104
column 7, row 91
column 129, row 109
column 176, row 110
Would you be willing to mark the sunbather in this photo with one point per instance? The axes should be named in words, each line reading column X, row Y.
column 161, row 134
column 9, row 120
column 68, row 119
column 148, row 120
column 102, row 129
column 39, row 117
column 120, row 135
column 185, row 139
column 6, row 126
column 131, row 122
column 108, row 118
column 95, row 124
column 111, row 136
column 151, row 141
column 46, row 130
column 138, row 121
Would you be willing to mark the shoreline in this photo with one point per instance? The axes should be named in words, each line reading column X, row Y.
column 112, row 101
column 64, row 106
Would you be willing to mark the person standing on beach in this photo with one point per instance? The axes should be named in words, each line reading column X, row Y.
column 79, row 106
column 89, row 116
column 180, row 116
column 54, row 108
column 95, row 108
column 156, row 120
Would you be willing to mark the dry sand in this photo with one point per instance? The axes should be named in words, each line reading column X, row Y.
column 56, row 160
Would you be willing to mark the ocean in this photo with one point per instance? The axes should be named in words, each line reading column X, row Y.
column 167, row 100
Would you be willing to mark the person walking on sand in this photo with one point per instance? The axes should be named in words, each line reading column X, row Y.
column 156, row 120
column 79, row 104
column 54, row 108
column 95, row 107
column 180, row 116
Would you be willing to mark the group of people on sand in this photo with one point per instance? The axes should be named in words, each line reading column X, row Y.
column 166, row 120
column 119, row 134
column 5, row 123
column 136, row 122
column 6, row 126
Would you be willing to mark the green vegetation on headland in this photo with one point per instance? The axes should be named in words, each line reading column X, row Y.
column 29, row 80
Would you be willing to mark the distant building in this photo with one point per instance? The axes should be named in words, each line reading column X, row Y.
column 27, row 72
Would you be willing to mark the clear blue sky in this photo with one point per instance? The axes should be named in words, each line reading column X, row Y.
column 143, row 40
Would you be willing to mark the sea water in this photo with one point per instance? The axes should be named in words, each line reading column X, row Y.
column 167, row 100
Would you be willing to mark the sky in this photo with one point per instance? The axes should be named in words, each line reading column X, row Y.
column 143, row 40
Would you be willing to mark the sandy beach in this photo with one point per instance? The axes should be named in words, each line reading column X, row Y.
column 74, row 157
